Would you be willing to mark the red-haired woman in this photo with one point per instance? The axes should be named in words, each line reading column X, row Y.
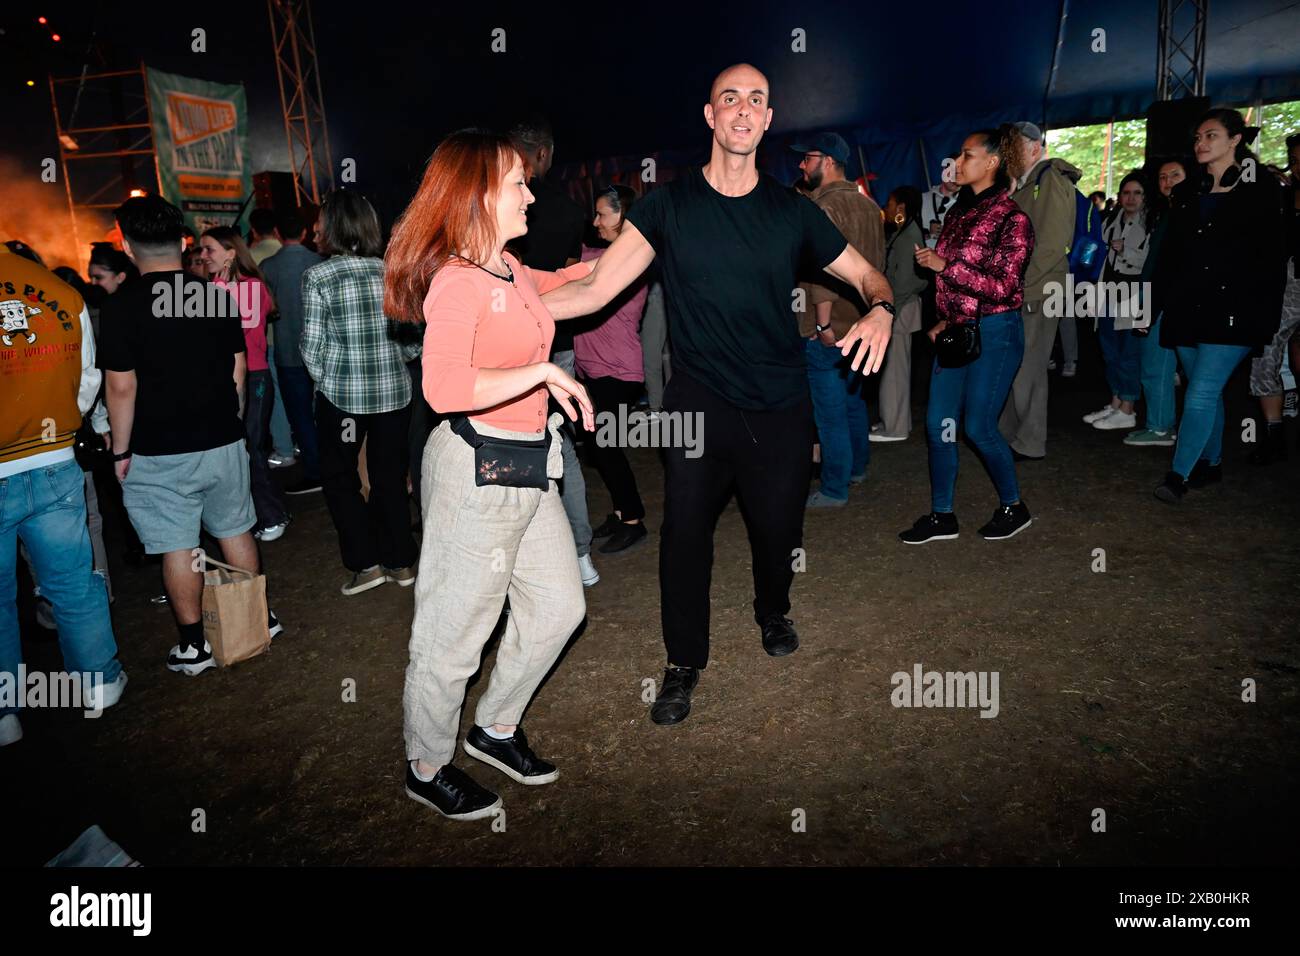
column 494, row 526
column 229, row 264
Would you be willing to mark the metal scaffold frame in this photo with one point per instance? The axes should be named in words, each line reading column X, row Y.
column 129, row 136
column 1180, row 62
column 294, row 39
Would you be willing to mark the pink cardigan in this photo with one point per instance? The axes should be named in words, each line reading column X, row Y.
column 476, row 320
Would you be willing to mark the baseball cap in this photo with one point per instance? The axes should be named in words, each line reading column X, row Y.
column 832, row 144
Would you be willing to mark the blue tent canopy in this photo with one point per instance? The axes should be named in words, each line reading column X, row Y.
column 911, row 78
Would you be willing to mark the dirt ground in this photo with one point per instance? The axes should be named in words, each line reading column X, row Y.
column 1118, row 690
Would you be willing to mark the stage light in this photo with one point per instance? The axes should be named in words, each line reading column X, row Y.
column 42, row 21
column 56, row 38
column 31, row 82
column 136, row 194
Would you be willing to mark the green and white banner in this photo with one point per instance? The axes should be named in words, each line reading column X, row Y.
column 200, row 132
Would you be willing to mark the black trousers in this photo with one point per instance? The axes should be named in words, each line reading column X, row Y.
column 378, row 531
column 607, row 394
column 767, row 458
column 423, row 422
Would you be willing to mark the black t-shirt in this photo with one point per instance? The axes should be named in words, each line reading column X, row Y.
column 555, row 227
column 730, row 268
column 184, row 364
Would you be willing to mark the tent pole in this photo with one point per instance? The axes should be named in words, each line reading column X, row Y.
column 925, row 164
column 1056, row 57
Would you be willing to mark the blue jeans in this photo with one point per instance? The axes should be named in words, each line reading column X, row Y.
column 46, row 507
column 267, row 498
column 281, row 436
column 1120, row 351
column 1208, row 369
column 840, row 410
column 1157, row 365
column 980, row 390
column 298, row 392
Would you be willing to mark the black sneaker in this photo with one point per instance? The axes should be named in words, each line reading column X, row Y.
column 674, row 700
column 1172, row 489
column 611, row 524
column 1203, row 473
column 779, row 637
column 453, row 793
column 513, row 757
column 936, row 526
column 1008, row 521
column 625, row 537
column 303, row 486
column 273, row 625
column 191, row 659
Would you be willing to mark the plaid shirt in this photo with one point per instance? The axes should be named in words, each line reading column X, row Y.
column 355, row 353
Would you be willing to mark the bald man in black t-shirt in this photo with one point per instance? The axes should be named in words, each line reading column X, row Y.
column 731, row 244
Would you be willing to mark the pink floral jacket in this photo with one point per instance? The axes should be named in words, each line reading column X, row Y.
column 986, row 246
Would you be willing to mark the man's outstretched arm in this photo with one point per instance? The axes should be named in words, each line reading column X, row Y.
column 618, row 268
column 873, row 329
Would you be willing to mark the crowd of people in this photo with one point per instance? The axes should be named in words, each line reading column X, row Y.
column 443, row 384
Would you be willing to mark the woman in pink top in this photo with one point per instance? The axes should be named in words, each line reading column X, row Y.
column 494, row 526
column 229, row 265
column 610, row 364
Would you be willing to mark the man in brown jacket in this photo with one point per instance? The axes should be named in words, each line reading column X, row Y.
column 839, row 407
column 1046, row 194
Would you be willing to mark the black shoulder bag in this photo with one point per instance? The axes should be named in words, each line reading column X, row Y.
column 958, row 344
column 505, row 461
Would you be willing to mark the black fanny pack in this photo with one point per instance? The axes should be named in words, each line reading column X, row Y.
column 958, row 344
column 506, row 461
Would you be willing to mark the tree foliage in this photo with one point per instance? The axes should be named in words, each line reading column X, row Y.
column 1085, row 146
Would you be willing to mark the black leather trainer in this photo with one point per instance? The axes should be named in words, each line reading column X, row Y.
column 779, row 637
column 453, row 793
column 512, row 756
column 674, row 700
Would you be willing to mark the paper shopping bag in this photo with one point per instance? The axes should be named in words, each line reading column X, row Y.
column 234, row 612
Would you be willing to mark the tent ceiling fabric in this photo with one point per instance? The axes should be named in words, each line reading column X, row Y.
column 890, row 76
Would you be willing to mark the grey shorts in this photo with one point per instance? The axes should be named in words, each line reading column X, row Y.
column 170, row 496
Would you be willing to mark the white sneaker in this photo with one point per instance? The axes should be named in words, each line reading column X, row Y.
column 590, row 575
column 10, row 730
column 281, row 461
column 1051, row 365
column 104, row 696
column 273, row 533
column 191, row 660
column 881, row 436
column 1100, row 414
column 1116, row 419
column 1068, row 370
